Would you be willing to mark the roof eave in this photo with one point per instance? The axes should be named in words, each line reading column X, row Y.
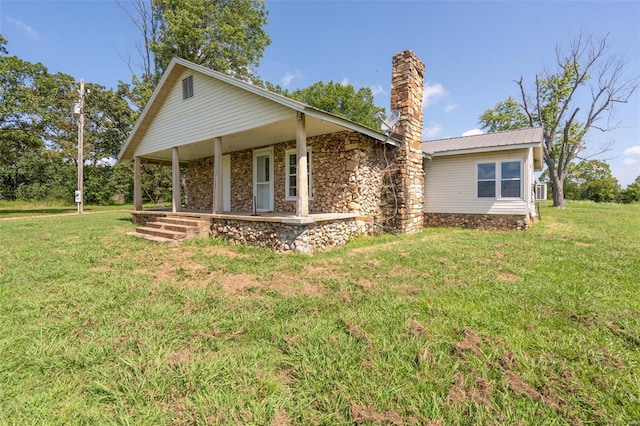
column 483, row 149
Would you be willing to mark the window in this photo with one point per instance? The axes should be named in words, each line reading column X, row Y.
column 291, row 168
column 486, row 180
column 509, row 174
column 187, row 88
column 510, row 179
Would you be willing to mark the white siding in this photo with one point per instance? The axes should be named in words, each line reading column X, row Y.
column 450, row 184
column 216, row 109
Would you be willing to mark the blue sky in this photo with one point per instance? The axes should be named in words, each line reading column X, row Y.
column 474, row 50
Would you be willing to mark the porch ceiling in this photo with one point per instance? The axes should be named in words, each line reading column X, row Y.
column 277, row 132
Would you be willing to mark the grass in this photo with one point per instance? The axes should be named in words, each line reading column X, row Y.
column 448, row 326
column 22, row 209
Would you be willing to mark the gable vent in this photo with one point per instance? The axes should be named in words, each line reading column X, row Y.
column 187, row 88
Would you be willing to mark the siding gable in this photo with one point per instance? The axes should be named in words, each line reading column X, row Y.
column 216, row 109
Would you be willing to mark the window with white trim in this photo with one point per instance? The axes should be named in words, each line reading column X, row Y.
column 291, row 172
column 487, row 180
column 187, row 88
column 504, row 181
column 510, row 178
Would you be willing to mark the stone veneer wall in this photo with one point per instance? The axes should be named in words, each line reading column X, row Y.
column 349, row 175
column 477, row 221
column 283, row 237
column 199, row 184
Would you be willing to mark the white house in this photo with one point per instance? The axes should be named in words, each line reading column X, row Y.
column 482, row 181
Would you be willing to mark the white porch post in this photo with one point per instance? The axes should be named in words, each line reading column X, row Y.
column 137, row 185
column 176, row 204
column 218, row 203
column 302, row 178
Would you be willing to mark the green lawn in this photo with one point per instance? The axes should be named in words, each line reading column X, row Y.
column 448, row 326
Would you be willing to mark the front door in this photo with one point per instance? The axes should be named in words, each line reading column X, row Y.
column 263, row 180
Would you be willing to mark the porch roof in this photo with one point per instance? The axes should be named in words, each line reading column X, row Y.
column 257, row 128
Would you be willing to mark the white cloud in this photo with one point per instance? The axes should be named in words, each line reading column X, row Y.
column 23, row 27
column 473, row 132
column 433, row 93
column 377, row 89
column 288, row 77
column 344, row 82
column 450, row 107
column 634, row 150
column 630, row 161
column 432, row 131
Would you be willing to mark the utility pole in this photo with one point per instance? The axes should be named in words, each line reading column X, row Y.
column 79, row 109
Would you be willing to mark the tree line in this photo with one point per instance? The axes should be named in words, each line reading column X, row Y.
column 38, row 151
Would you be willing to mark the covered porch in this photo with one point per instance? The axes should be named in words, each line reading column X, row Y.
column 247, row 156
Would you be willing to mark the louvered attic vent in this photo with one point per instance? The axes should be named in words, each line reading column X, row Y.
column 187, row 88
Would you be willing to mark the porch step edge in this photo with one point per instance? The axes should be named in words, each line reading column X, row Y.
column 161, row 233
column 152, row 238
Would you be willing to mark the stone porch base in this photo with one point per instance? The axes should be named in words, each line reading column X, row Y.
column 278, row 232
column 478, row 221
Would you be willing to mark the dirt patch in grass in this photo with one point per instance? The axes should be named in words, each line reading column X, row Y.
column 470, row 343
column 281, row 418
column 237, row 284
column 480, row 392
column 506, row 276
column 416, row 328
column 179, row 358
column 361, row 414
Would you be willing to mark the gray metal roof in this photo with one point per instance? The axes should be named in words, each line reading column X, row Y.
column 532, row 136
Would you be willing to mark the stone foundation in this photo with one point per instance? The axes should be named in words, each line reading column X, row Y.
column 287, row 237
column 141, row 219
column 279, row 233
column 477, row 221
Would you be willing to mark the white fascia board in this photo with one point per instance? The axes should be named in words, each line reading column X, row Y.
column 483, row 149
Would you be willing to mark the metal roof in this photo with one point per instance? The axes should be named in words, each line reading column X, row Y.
column 532, row 136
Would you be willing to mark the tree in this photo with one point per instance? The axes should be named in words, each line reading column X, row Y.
column 505, row 115
column 631, row 194
column 224, row 35
column 595, row 181
column 581, row 94
column 337, row 98
column 21, row 106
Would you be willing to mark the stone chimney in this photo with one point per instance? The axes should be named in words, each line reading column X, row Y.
column 407, row 88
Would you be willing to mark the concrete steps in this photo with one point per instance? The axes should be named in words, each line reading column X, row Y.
column 170, row 230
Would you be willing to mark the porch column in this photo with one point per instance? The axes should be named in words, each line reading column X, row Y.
column 137, row 185
column 218, row 204
column 302, row 179
column 176, row 204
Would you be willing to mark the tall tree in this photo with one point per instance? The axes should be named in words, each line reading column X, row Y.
column 581, row 94
column 21, row 105
column 224, row 35
column 337, row 98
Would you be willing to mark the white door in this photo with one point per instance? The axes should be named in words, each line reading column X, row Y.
column 226, row 183
column 263, row 180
